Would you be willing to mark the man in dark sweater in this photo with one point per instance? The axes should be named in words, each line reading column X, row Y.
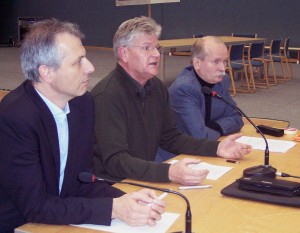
column 134, row 118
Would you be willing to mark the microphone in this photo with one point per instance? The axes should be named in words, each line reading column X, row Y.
column 87, row 177
column 262, row 170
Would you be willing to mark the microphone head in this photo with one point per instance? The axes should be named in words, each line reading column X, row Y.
column 206, row 90
column 86, row 177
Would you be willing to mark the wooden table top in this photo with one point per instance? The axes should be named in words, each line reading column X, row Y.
column 3, row 93
column 211, row 211
column 175, row 43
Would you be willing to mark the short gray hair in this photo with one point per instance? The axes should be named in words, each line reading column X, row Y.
column 198, row 49
column 129, row 29
column 39, row 46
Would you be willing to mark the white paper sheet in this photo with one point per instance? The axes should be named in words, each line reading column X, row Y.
column 215, row 171
column 119, row 226
column 274, row 145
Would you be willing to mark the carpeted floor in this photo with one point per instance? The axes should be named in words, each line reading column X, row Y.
column 278, row 102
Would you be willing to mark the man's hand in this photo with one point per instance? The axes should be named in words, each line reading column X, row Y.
column 181, row 173
column 132, row 208
column 230, row 149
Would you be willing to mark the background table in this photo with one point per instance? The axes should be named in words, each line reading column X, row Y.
column 186, row 44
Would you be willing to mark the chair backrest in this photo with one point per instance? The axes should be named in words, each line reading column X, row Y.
column 254, row 35
column 256, row 50
column 275, row 47
column 286, row 46
column 236, row 52
column 198, row 35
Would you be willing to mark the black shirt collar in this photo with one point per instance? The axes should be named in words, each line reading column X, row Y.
column 139, row 89
column 202, row 82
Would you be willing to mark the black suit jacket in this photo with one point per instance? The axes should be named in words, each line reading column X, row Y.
column 30, row 164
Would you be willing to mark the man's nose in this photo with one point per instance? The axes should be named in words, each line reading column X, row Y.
column 223, row 65
column 89, row 67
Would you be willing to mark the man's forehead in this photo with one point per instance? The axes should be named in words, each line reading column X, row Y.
column 68, row 43
column 216, row 50
column 144, row 37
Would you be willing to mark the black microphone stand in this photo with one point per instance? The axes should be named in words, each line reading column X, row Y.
column 265, row 170
column 87, row 177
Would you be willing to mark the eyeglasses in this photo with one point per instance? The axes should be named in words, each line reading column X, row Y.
column 149, row 48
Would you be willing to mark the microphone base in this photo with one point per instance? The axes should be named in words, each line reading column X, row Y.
column 260, row 171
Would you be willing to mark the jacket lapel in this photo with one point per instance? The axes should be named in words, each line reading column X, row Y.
column 49, row 126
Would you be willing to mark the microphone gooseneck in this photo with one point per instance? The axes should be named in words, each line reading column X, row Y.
column 262, row 170
column 87, row 177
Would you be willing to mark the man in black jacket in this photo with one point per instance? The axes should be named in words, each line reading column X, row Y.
column 46, row 135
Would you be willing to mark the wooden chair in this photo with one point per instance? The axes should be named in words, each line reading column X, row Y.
column 236, row 64
column 286, row 58
column 274, row 55
column 251, row 35
column 257, row 65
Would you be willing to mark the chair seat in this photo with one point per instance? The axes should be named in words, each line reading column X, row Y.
column 255, row 63
column 275, row 57
column 236, row 65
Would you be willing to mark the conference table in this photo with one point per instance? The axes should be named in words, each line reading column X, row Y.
column 211, row 211
column 3, row 93
column 185, row 44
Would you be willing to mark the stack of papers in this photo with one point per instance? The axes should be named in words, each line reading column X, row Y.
column 215, row 171
column 274, row 145
column 117, row 225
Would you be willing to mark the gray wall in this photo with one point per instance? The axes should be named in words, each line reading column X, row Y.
column 99, row 19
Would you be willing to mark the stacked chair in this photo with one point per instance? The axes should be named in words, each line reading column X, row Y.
column 237, row 65
column 251, row 35
column 274, row 55
column 286, row 58
column 257, row 66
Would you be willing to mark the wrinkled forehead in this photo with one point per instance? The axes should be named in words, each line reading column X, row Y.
column 69, row 46
column 216, row 50
column 144, row 38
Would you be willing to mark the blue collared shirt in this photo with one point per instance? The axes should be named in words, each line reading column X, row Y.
column 61, row 120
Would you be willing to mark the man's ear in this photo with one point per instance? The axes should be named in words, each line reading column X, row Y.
column 196, row 63
column 45, row 73
column 123, row 54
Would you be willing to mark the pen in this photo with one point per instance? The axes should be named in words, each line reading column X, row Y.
column 163, row 195
column 232, row 161
column 194, row 187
